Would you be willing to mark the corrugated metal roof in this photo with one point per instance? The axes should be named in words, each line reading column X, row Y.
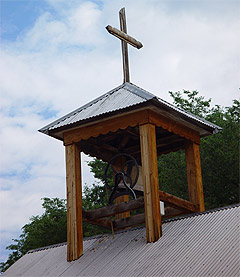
column 122, row 97
column 204, row 244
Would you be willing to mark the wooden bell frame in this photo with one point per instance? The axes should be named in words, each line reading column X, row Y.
column 144, row 134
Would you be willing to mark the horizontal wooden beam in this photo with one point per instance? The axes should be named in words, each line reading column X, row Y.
column 163, row 144
column 114, row 209
column 177, row 202
column 172, row 212
column 95, row 151
column 103, row 222
column 102, row 146
column 129, row 221
column 140, row 219
column 105, row 126
column 132, row 132
column 123, row 36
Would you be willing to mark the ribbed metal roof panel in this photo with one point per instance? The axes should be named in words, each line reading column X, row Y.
column 122, row 97
column 108, row 103
column 205, row 244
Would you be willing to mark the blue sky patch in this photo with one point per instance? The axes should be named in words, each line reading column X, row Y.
column 19, row 15
column 47, row 113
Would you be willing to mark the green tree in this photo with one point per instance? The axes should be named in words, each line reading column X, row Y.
column 49, row 228
column 219, row 153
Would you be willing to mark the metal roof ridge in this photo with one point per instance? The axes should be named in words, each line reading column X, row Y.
column 139, row 91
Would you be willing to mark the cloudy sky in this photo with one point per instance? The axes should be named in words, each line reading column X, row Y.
column 56, row 56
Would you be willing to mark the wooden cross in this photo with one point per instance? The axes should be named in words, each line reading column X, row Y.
column 125, row 39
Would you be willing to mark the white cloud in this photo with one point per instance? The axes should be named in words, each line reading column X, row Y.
column 64, row 61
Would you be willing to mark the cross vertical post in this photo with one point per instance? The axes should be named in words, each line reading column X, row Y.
column 125, row 39
column 123, row 28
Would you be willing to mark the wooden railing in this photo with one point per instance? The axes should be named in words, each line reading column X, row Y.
column 101, row 216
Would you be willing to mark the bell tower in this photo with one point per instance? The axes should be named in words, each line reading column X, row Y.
column 139, row 126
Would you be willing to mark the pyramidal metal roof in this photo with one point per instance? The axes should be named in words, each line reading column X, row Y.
column 124, row 97
column 203, row 244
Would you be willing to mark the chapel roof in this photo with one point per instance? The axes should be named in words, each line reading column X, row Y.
column 202, row 244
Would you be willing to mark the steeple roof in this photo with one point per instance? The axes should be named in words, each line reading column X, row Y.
column 121, row 99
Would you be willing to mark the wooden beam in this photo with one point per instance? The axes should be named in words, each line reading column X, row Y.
column 103, row 146
column 132, row 133
column 177, row 202
column 95, row 151
column 129, row 221
column 123, row 142
column 150, row 182
column 103, row 222
column 124, row 198
column 123, row 36
column 123, row 27
column 129, row 120
column 114, row 209
column 194, row 175
column 165, row 143
column 106, row 126
column 174, row 127
column 172, row 212
column 74, row 203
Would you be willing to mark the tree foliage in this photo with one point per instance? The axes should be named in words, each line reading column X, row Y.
column 49, row 228
column 219, row 153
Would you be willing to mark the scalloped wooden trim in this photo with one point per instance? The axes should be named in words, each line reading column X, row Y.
column 122, row 122
column 174, row 127
column 106, row 126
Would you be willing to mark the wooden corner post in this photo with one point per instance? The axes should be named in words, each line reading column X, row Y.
column 74, row 202
column 150, row 182
column 194, row 175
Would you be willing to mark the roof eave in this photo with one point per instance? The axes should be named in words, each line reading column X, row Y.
column 214, row 129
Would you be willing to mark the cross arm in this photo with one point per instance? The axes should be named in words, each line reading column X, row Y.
column 123, row 36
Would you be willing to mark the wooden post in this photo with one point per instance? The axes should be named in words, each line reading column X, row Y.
column 121, row 199
column 124, row 198
column 194, row 175
column 150, row 182
column 74, row 203
column 123, row 27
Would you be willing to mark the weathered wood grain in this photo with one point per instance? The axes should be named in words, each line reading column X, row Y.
column 150, row 182
column 177, row 202
column 194, row 175
column 123, row 36
column 106, row 126
column 74, row 203
column 129, row 221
